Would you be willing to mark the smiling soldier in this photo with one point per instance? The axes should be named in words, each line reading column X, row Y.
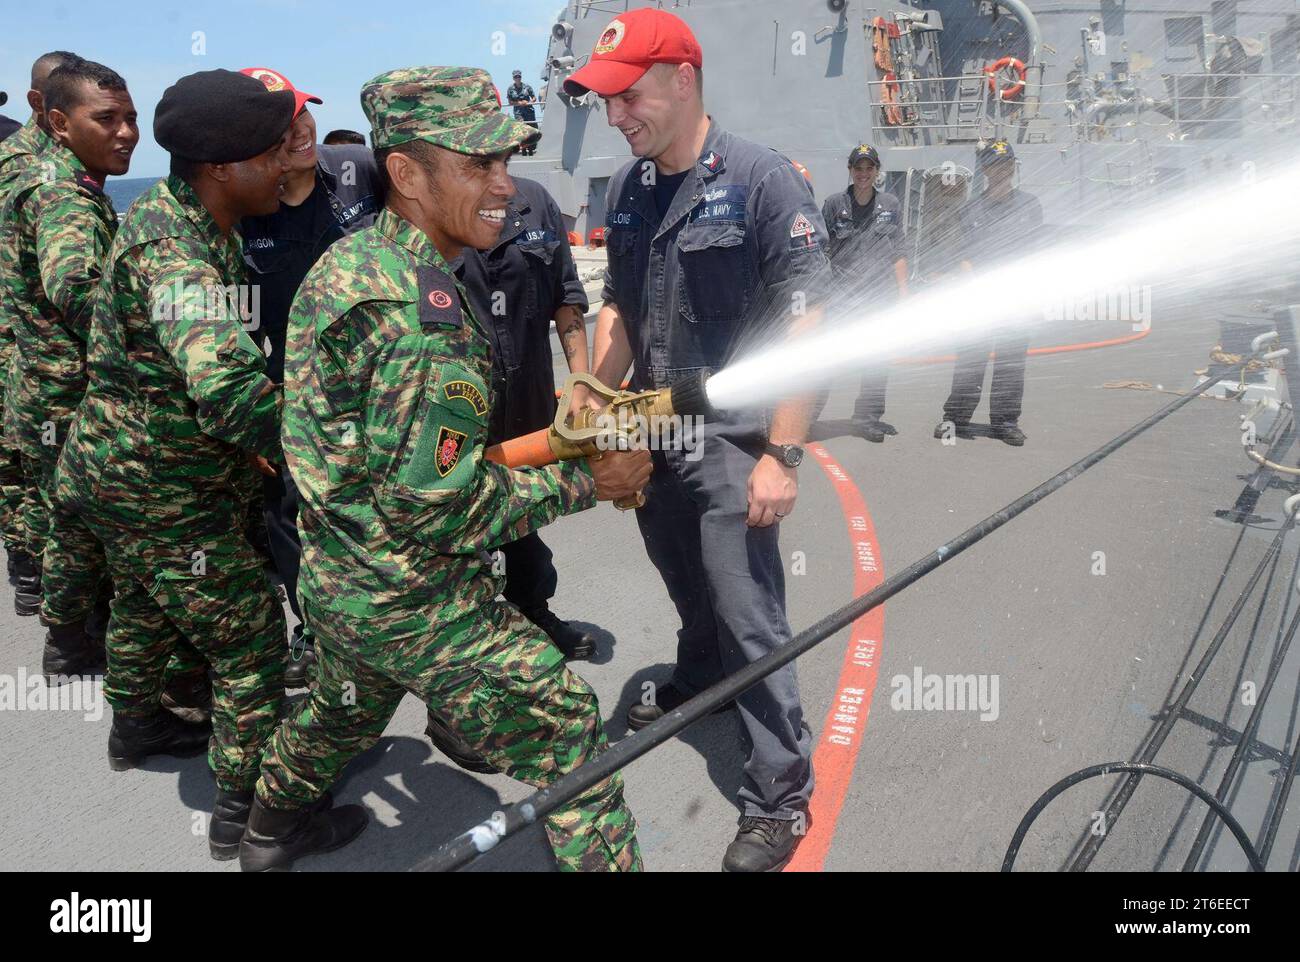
column 56, row 227
column 387, row 406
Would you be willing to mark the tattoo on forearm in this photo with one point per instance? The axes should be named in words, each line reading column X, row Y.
column 570, row 330
column 570, row 341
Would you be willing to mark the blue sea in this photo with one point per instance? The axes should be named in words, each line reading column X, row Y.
column 123, row 190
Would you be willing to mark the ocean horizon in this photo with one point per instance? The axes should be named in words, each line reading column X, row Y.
column 123, row 190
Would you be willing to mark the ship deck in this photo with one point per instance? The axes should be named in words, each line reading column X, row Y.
column 1085, row 662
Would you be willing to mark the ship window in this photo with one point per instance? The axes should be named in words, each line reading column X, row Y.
column 1184, row 38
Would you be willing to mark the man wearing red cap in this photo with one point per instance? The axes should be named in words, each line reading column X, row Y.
column 712, row 241
column 329, row 192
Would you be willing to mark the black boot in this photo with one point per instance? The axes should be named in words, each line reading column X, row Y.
column 764, row 844
column 1009, row 433
column 132, row 740
column 18, row 561
column 276, row 838
column 451, row 745
column 27, row 587
column 302, row 655
column 189, row 698
column 667, row 698
column 230, row 818
column 97, row 620
column 68, row 651
column 574, row 644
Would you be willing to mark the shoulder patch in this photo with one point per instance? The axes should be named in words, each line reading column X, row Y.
column 802, row 226
column 439, row 301
column 465, row 391
column 448, row 449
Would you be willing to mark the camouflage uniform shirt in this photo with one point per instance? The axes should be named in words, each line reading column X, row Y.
column 18, row 151
column 386, row 410
column 178, row 390
column 55, row 230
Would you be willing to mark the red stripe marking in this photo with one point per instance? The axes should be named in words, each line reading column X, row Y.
column 1055, row 349
column 846, row 722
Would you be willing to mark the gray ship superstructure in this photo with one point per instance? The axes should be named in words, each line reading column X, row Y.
column 1106, row 103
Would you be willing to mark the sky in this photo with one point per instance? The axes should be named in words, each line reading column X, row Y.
column 325, row 47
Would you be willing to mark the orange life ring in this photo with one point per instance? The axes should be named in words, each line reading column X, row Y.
column 1015, row 89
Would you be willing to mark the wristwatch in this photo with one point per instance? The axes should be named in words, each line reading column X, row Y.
column 791, row 455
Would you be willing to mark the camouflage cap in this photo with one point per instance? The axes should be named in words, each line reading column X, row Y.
column 454, row 107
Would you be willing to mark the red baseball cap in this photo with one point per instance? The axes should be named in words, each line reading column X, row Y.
column 633, row 43
column 275, row 80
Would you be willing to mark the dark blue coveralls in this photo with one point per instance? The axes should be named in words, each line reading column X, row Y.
column 741, row 235
column 514, row 289
column 992, row 231
column 862, row 257
column 279, row 250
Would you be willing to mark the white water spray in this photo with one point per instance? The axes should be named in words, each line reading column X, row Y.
column 1200, row 240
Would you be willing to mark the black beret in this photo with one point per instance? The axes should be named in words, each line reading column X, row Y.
column 221, row 117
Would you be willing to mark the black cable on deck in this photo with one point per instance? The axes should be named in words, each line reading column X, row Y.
column 1138, row 769
column 1244, row 745
column 469, row 845
column 1130, row 783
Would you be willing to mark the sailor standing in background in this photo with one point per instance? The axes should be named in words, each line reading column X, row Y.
column 522, row 98
column 869, row 260
column 994, row 227
column 329, row 192
column 516, row 289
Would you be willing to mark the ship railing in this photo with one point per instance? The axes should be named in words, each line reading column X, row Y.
column 1188, row 102
column 971, row 114
column 1197, row 107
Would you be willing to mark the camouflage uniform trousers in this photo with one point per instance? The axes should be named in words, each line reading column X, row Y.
column 220, row 603
column 24, row 432
column 11, row 492
column 73, row 567
column 33, row 513
column 500, row 684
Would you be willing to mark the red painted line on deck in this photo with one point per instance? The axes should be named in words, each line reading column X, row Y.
column 846, row 722
column 1055, row 349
